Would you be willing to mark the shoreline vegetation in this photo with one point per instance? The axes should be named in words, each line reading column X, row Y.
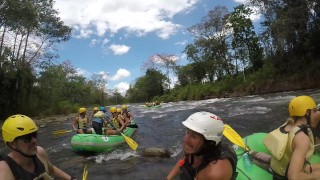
column 229, row 56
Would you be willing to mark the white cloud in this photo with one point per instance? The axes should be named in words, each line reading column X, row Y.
column 105, row 41
column 94, row 42
column 98, row 17
column 119, row 49
column 159, row 60
column 82, row 72
column 122, row 88
column 241, row 1
column 256, row 15
column 104, row 75
column 182, row 43
column 121, row 73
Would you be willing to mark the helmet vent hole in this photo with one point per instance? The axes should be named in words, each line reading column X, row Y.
column 20, row 128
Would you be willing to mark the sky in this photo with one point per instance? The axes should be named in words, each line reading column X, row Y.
column 114, row 38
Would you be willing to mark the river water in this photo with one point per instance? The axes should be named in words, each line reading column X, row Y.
column 161, row 127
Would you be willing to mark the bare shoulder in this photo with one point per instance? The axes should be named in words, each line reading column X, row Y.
column 43, row 157
column 220, row 169
column 301, row 139
column 42, row 154
column 5, row 172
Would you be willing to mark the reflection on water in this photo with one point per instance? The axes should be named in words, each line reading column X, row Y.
column 161, row 127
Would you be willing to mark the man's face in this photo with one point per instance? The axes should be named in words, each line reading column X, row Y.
column 193, row 142
column 26, row 143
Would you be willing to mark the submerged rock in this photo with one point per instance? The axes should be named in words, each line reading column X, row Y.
column 156, row 152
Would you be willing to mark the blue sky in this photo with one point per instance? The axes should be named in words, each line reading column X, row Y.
column 114, row 37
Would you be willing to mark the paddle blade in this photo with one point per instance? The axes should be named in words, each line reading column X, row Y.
column 85, row 172
column 60, row 132
column 233, row 136
column 133, row 145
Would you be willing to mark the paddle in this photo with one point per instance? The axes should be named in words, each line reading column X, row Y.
column 85, row 172
column 133, row 145
column 234, row 137
column 60, row 132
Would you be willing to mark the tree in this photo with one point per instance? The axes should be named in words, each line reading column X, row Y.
column 210, row 46
column 148, row 86
column 245, row 43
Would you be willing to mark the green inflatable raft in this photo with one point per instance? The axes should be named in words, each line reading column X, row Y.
column 98, row 143
column 255, row 142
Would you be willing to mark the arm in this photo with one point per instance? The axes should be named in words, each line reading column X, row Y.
column 300, row 146
column 130, row 116
column 52, row 170
column 221, row 170
column 75, row 123
column 5, row 172
column 122, row 124
column 174, row 172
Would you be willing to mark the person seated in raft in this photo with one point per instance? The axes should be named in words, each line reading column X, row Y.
column 126, row 115
column 81, row 122
column 316, row 128
column 117, row 121
column 98, row 120
column 205, row 156
column 292, row 144
column 95, row 110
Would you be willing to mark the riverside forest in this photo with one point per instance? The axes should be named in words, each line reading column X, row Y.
column 230, row 56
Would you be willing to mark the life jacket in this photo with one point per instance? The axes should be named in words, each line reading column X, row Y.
column 187, row 172
column 97, row 117
column 115, row 122
column 82, row 122
column 21, row 174
column 280, row 164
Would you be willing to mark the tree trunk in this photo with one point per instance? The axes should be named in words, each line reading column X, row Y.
column 20, row 44
column 25, row 47
column 2, row 39
column 14, row 46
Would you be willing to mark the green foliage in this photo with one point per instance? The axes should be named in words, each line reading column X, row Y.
column 148, row 86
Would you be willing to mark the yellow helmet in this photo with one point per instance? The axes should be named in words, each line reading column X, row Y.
column 118, row 110
column 113, row 109
column 124, row 106
column 17, row 125
column 300, row 104
column 82, row 110
column 96, row 109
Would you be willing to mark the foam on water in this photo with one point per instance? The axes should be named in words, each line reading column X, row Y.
column 116, row 154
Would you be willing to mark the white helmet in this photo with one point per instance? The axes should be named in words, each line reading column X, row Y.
column 207, row 124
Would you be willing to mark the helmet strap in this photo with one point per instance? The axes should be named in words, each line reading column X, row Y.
column 308, row 117
column 23, row 154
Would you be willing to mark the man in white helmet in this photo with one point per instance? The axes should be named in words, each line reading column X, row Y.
column 205, row 156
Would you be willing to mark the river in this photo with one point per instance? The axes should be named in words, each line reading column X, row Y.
column 161, row 127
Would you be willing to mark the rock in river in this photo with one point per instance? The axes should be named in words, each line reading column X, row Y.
column 156, row 152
